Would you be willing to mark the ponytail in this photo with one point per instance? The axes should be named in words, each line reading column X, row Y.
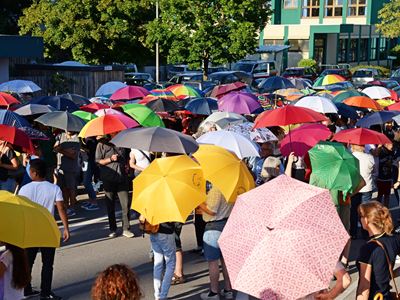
column 21, row 275
column 378, row 215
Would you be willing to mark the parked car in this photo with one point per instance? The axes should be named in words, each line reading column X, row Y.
column 230, row 76
column 176, row 69
column 257, row 68
column 396, row 75
column 363, row 76
column 345, row 73
column 299, row 72
column 216, row 69
column 136, row 78
column 186, row 76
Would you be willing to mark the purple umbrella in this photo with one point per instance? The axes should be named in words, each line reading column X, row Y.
column 240, row 103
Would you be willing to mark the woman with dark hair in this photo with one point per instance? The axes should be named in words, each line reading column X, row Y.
column 14, row 272
column 116, row 282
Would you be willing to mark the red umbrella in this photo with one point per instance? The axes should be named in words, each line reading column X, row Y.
column 129, row 92
column 16, row 137
column 220, row 90
column 393, row 95
column 395, row 106
column 361, row 136
column 93, row 107
column 7, row 99
column 288, row 115
column 304, row 138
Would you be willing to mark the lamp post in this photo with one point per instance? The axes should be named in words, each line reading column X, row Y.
column 157, row 52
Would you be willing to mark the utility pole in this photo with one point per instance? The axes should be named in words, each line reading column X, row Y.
column 157, row 52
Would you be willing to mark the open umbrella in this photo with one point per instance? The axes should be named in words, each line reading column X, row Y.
column 240, row 103
column 10, row 118
column 77, row 99
column 377, row 92
column 223, row 119
column 26, row 224
column 108, row 111
column 258, row 135
column 101, row 100
column 169, row 190
column 144, row 115
column 19, row 86
column 16, row 137
column 62, row 120
column 7, row 99
column 107, row 124
column 274, row 83
column 224, row 170
column 220, row 90
column 361, row 136
column 163, row 105
column 202, row 106
column 328, row 79
column 84, row 115
column 282, row 240
column 160, row 93
column 234, row 142
column 362, row 102
column 339, row 98
column 93, row 107
column 184, row 91
column 156, row 139
column 108, row 88
column 59, row 103
column 347, row 111
column 376, row 118
column 318, row 104
column 129, row 92
column 34, row 109
column 301, row 83
column 34, row 134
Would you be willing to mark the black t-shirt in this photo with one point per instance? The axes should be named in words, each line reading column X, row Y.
column 385, row 164
column 6, row 159
column 167, row 228
column 372, row 254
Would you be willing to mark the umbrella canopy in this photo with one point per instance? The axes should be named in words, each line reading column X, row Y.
column 224, row 170
column 10, row 118
column 240, row 103
column 108, row 111
column 361, row 136
column 160, row 93
column 347, row 111
column 303, row 138
column 144, row 115
column 328, row 79
column 25, row 224
column 101, row 100
column 231, row 141
column 108, row 88
column 84, row 115
column 156, row 139
column 339, row 98
column 202, row 106
column 62, row 120
column 334, row 167
column 220, row 90
column 129, row 92
column 34, row 109
column 184, row 91
column 7, row 99
column 93, row 107
column 300, row 83
column 363, row 102
column 377, row 92
column 395, row 106
column 163, row 105
column 224, row 119
column 16, row 137
column 274, row 83
column 19, row 86
column 258, row 135
column 77, row 99
column 271, row 236
column 319, row 104
column 288, row 115
column 61, row 104
column 34, row 134
column 169, row 189
column 289, row 92
column 377, row 118
column 107, row 124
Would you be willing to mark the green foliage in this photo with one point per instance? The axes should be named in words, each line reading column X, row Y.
column 389, row 17
column 102, row 31
column 307, row 63
column 60, row 84
column 384, row 70
column 396, row 52
column 201, row 31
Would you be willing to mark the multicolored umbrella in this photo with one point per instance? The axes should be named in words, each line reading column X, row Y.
column 107, row 124
column 62, row 120
column 84, row 115
column 129, row 92
column 339, row 98
column 202, row 106
column 184, row 91
column 318, row 104
column 270, row 244
column 258, row 135
column 361, row 136
column 377, row 92
column 328, row 79
column 240, row 103
column 16, row 137
column 362, row 102
column 144, row 115
column 161, row 93
column 220, row 90
column 7, row 99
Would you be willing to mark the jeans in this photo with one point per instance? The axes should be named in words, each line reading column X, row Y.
column 163, row 246
column 47, row 268
column 356, row 200
column 87, row 181
column 112, row 189
column 8, row 185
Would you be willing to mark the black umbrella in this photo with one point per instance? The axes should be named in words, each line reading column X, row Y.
column 59, row 103
column 62, row 120
column 163, row 105
column 156, row 139
column 77, row 99
column 34, row 109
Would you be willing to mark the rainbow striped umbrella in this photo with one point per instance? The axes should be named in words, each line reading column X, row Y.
column 184, row 91
column 162, row 93
column 329, row 79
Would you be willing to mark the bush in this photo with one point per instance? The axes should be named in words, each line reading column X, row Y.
column 384, row 70
column 307, row 63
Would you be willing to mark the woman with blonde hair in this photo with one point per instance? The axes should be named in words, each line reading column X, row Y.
column 372, row 262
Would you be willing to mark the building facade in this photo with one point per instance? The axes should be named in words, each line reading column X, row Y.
column 329, row 31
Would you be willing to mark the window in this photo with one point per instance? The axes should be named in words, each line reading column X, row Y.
column 363, row 54
column 353, row 50
column 374, row 43
column 333, row 8
column 290, row 3
column 310, row 8
column 357, row 8
column 382, row 48
column 342, row 51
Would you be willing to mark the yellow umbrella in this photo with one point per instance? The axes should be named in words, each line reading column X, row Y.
column 169, row 189
column 224, row 170
column 25, row 224
column 385, row 102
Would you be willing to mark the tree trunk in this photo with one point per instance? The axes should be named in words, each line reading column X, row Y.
column 205, row 68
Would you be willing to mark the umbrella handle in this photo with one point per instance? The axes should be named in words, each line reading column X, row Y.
column 378, row 296
column 16, row 189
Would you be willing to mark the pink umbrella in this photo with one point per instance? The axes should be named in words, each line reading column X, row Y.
column 303, row 138
column 129, row 92
column 108, row 111
column 282, row 240
column 239, row 102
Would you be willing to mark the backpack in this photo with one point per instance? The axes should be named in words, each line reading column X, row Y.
column 146, row 227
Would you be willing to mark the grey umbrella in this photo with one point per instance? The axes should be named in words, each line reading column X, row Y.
column 34, row 109
column 62, row 120
column 155, row 139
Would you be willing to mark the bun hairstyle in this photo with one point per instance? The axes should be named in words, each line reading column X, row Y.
column 378, row 215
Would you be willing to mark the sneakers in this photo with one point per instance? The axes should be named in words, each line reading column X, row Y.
column 208, row 296
column 227, row 294
column 128, row 234
column 91, row 206
column 112, row 234
column 51, row 296
column 31, row 293
column 85, row 203
column 70, row 212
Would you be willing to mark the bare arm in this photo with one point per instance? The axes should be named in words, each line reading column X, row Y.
column 64, row 219
column 364, row 282
column 133, row 165
column 108, row 160
column 343, row 281
column 288, row 170
column 203, row 207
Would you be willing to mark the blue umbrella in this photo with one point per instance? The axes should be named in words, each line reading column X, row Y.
column 10, row 118
column 34, row 134
column 202, row 106
column 377, row 118
column 59, row 103
column 274, row 83
column 347, row 111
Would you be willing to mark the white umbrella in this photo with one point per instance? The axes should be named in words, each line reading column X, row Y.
column 319, row 104
column 109, row 88
column 234, row 142
column 258, row 135
column 223, row 119
column 19, row 86
column 377, row 92
column 107, row 111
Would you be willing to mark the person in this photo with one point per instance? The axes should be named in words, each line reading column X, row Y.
column 113, row 163
column 343, row 281
column 178, row 276
column 14, row 272
column 46, row 194
column 116, row 282
column 272, row 167
column 8, row 162
column 385, row 173
column 374, row 274
column 67, row 147
column 139, row 160
column 87, row 153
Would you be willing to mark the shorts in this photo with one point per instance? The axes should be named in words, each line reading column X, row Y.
column 68, row 180
column 210, row 240
column 384, row 187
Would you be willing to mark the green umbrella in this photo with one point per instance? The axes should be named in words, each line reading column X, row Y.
column 334, row 168
column 339, row 98
column 84, row 115
column 143, row 115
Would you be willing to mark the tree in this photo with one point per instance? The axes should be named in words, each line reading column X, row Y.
column 200, row 32
column 389, row 17
column 102, row 31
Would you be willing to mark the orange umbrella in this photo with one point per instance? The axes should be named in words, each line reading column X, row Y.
column 363, row 101
column 107, row 124
column 7, row 99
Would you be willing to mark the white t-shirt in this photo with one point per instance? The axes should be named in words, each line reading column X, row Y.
column 43, row 193
column 141, row 160
column 367, row 170
column 10, row 293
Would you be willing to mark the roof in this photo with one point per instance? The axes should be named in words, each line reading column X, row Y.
column 272, row 48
